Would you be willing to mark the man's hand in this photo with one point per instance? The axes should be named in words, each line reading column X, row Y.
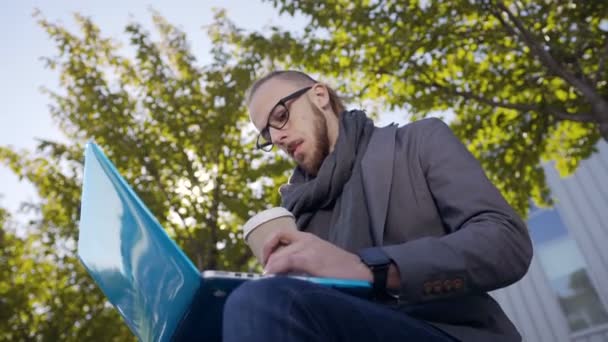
column 305, row 252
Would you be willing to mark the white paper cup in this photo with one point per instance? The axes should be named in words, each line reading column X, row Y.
column 257, row 230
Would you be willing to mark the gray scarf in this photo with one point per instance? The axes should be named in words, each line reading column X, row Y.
column 337, row 187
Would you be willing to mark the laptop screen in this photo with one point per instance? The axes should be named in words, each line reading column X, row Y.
column 142, row 272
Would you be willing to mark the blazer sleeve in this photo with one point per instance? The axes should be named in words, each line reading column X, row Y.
column 487, row 245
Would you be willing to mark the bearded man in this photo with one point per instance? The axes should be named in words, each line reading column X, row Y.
column 407, row 208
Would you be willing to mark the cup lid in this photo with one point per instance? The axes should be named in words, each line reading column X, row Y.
column 264, row 216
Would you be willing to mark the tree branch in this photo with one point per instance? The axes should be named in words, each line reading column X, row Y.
column 153, row 171
column 548, row 60
column 602, row 63
column 212, row 224
column 157, row 181
column 564, row 115
column 551, row 110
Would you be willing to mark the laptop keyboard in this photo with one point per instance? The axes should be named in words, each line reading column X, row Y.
column 241, row 275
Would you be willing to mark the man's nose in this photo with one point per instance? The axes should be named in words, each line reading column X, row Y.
column 278, row 136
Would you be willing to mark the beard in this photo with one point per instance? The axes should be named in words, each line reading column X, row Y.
column 321, row 146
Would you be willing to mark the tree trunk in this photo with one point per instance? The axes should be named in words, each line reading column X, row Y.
column 600, row 109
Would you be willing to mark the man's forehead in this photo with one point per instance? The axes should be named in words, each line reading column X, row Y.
column 267, row 96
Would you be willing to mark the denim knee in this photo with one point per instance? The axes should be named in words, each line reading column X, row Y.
column 256, row 293
column 269, row 309
column 260, row 302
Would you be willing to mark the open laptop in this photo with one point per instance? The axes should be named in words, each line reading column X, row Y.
column 155, row 287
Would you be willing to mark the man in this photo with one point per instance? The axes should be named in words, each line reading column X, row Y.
column 407, row 208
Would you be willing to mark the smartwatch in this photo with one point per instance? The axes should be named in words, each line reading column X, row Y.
column 378, row 262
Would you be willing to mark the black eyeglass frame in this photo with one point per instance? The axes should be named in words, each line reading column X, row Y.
column 265, row 132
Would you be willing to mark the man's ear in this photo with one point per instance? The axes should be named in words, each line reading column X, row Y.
column 320, row 96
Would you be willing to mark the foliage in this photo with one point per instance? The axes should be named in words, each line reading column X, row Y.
column 525, row 80
column 180, row 136
column 47, row 297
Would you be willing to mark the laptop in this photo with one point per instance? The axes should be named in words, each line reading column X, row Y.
column 155, row 287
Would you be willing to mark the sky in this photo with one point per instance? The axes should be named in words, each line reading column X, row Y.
column 24, row 113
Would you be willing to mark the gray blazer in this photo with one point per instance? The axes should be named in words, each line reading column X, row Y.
column 447, row 228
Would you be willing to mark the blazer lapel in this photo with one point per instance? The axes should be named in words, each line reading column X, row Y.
column 377, row 171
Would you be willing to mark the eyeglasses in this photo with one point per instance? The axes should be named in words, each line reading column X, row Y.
column 277, row 119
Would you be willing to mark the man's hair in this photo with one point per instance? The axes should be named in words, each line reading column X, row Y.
column 298, row 78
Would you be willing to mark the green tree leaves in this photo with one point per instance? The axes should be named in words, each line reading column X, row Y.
column 178, row 132
column 526, row 81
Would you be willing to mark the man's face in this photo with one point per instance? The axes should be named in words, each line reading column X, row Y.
column 305, row 135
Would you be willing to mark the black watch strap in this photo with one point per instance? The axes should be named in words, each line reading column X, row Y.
column 378, row 262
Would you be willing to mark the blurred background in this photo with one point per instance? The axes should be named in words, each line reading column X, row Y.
column 159, row 85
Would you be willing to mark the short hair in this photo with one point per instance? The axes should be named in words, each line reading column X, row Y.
column 299, row 78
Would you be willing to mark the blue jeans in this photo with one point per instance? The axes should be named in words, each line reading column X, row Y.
column 285, row 309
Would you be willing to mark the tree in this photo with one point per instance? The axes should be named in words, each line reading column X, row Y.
column 180, row 136
column 526, row 80
column 47, row 297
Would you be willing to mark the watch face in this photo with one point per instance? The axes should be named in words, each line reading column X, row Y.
column 374, row 257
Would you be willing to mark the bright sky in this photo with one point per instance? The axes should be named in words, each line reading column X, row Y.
column 24, row 113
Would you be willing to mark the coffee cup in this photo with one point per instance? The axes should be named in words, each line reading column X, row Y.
column 258, row 229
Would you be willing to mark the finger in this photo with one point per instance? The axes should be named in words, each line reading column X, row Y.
column 294, row 262
column 281, row 237
column 271, row 245
column 282, row 252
